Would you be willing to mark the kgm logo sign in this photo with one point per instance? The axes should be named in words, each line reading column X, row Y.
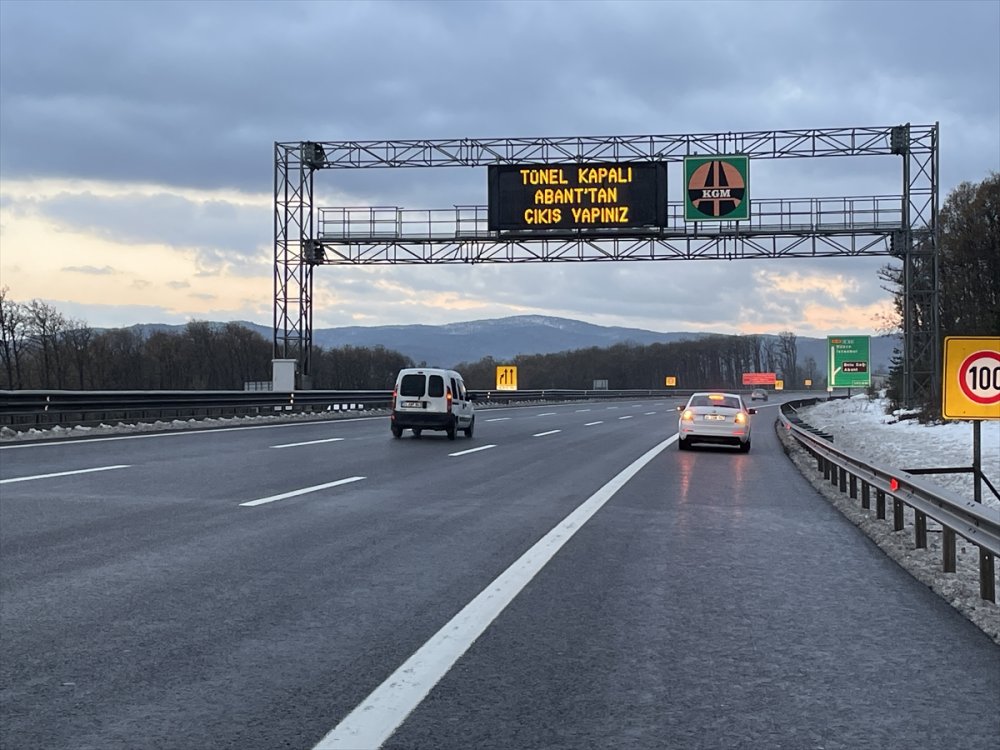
column 716, row 188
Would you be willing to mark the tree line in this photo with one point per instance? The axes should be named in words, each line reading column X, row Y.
column 968, row 273
column 40, row 348
column 715, row 361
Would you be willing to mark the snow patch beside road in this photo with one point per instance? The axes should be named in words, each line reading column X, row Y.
column 861, row 427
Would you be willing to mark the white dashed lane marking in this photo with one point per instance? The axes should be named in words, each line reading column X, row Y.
column 473, row 450
column 303, row 491
column 63, row 473
column 308, row 442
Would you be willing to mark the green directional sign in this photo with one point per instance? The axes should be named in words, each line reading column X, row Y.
column 849, row 361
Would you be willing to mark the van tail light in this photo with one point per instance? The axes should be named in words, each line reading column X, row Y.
column 741, row 418
column 447, row 396
column 393, row 398
column 687, row 416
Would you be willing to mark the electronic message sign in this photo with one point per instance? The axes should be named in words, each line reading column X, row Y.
column 545, row 197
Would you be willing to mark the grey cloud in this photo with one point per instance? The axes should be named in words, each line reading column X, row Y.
column 220, row 233
column 178, row 284
column 91, row 270
column 193, row 94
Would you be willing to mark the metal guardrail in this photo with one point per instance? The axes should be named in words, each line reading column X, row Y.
column 979, row 524
column 24, row 410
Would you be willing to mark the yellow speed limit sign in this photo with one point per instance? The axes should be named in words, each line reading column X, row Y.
column 971, row 378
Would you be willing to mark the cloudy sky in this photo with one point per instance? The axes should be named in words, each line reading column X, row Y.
column 137, row 143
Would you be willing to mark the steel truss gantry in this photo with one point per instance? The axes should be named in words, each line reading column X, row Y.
column 903, row 226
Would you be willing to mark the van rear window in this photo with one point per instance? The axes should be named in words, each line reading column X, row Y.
column 435, row 386
column 412, row 386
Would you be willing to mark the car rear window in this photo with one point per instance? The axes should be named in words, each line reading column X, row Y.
column 727, row 402
column 413, row 385
column 435, row 386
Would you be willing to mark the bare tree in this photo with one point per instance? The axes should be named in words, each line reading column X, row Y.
column 46, row 326
column 788, row 357
column 78, row 338
column 13, row 337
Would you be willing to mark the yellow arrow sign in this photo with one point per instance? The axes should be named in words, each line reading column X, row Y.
column 506, row 378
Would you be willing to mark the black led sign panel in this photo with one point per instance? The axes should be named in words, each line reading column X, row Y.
column 546, row 197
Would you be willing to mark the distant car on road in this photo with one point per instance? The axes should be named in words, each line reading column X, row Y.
column 758, row 393
column 716, row 418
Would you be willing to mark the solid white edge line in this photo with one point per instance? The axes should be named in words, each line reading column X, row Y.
column 379, row 715
column 473, row 450
column 308, row 442
column 181, row 431
column 64, row 473
column 303, row 491
column 543, row 434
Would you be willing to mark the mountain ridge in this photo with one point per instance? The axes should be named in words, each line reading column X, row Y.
column 450, row 344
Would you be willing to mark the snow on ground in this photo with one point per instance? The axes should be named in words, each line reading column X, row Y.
column 862, row 428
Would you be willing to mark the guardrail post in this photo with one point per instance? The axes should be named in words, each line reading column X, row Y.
column 820, row 464
column 866, row 496
column 897, row 514
column 854, row 487
column 833, row 474
column 880, row 504
column 843, row 479
column 920, row 529
column 987, row 584
column 948, row 550
column 826, row 467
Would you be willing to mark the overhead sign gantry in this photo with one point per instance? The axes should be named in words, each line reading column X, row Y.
column 574, row 199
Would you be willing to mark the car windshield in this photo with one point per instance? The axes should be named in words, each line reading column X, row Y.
column 729, row 402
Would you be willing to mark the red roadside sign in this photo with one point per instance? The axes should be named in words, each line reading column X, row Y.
column 759, row 378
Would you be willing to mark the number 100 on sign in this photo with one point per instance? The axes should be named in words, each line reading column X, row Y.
column 971, row 378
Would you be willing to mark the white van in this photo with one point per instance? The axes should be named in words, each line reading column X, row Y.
column 427, row 398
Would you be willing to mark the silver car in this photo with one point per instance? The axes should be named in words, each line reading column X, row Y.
column 716, row 418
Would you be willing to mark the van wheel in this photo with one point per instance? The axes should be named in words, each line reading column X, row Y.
column 416, row 432
column 397, row 431
column 451, row 430
column 468, row 430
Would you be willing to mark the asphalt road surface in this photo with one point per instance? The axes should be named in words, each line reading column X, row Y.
column 565, row 579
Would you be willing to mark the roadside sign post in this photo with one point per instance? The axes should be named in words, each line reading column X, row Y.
column 971, row 390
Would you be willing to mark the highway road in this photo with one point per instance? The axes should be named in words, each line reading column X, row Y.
column 565, row 579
